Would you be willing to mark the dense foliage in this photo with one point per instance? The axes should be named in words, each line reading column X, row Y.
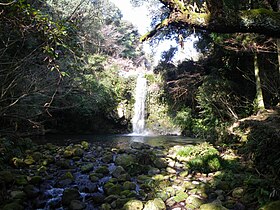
column 60, row 69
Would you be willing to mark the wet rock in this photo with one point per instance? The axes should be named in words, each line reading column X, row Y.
column 67, row 175
column 77, row 205
column 93, row 178
column 156, row 204
column 31, row 191
column 98, row 198
column 37, row 156
column 184, row 173
column 13, row 206
column 119, row 203
column 107, row 158
column 139, row 145
column 170, row 202
column 238, row 192
column 153, row 171
column 129, row 185
column 193, row 202
column 29, row 160
column 21, row 180
column 181, row 196
column 103, row 170
column 119, row 170
column 64, row 183
column 160, row 163
column 68, row 153
column 18, row 195
column 212, row 206
column 70, row 195
column 112, row 189
column 85, row 145
column 6, row 176
column 87, row 167
column 36, row 180
column 111, row 198
column 171, row 170
column 78, row 152
column 64, row 164
column 105, row 206
column 275, row 205
column 125, row 160
column 133, row 205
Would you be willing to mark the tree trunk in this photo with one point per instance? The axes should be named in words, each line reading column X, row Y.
column 261, row 20
column 259, row 96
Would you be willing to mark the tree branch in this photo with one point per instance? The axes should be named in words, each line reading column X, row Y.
column 261, row 21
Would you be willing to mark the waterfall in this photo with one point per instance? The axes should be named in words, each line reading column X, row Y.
column 138, row 120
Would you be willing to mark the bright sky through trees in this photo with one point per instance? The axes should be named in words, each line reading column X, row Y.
column 140, row 18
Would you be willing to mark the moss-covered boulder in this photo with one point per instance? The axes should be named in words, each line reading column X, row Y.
column 125, row 160
column 69, row 195
column 156, row 204
column 212, row 206
column 87, row 167
column 31, row 191
column 133, row 205
column 275, row 205
column 7, row 176
column 127, row 185
column 13, row 206
column 102, row 170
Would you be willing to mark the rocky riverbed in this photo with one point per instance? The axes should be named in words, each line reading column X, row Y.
column 138, row 176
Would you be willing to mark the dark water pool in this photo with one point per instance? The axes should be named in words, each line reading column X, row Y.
column 116, row 140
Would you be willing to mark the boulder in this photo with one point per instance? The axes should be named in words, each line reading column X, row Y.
column 77, row 205
column 69, row 195
column 118, row 171
column 13, row 206
column 125, row 160
column 87, row 167
column 98, row 198
column 133, row 205
column 160, row 163
column 127, row 185
column 212, row 206
column 31, row 191
column 156, row 204
column 275, row 205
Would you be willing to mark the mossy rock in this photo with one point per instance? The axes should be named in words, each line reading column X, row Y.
column 93, row 178
column 77, row 205
column 105, row 206
column 127, row 185
column 36, row 180
column 193, row 202
column 21, row 180
column 29, row 160
column 87, row 167
column 85, row 145
column 68, row 153
column 70, row 195
column 37, row 156
column 133, row 205
column 181, row 196
column 7, row 176
column 275, row 205
column 13, row 206
column 78, row 152
column 156, row 204
column 125, row 160
column 212, row 206
column 102, row 170
column 18, row 195
column 67, row 175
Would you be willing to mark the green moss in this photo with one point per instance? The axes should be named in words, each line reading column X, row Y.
column 261, row 12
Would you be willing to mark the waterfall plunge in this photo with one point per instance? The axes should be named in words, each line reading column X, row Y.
column 138, row 120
